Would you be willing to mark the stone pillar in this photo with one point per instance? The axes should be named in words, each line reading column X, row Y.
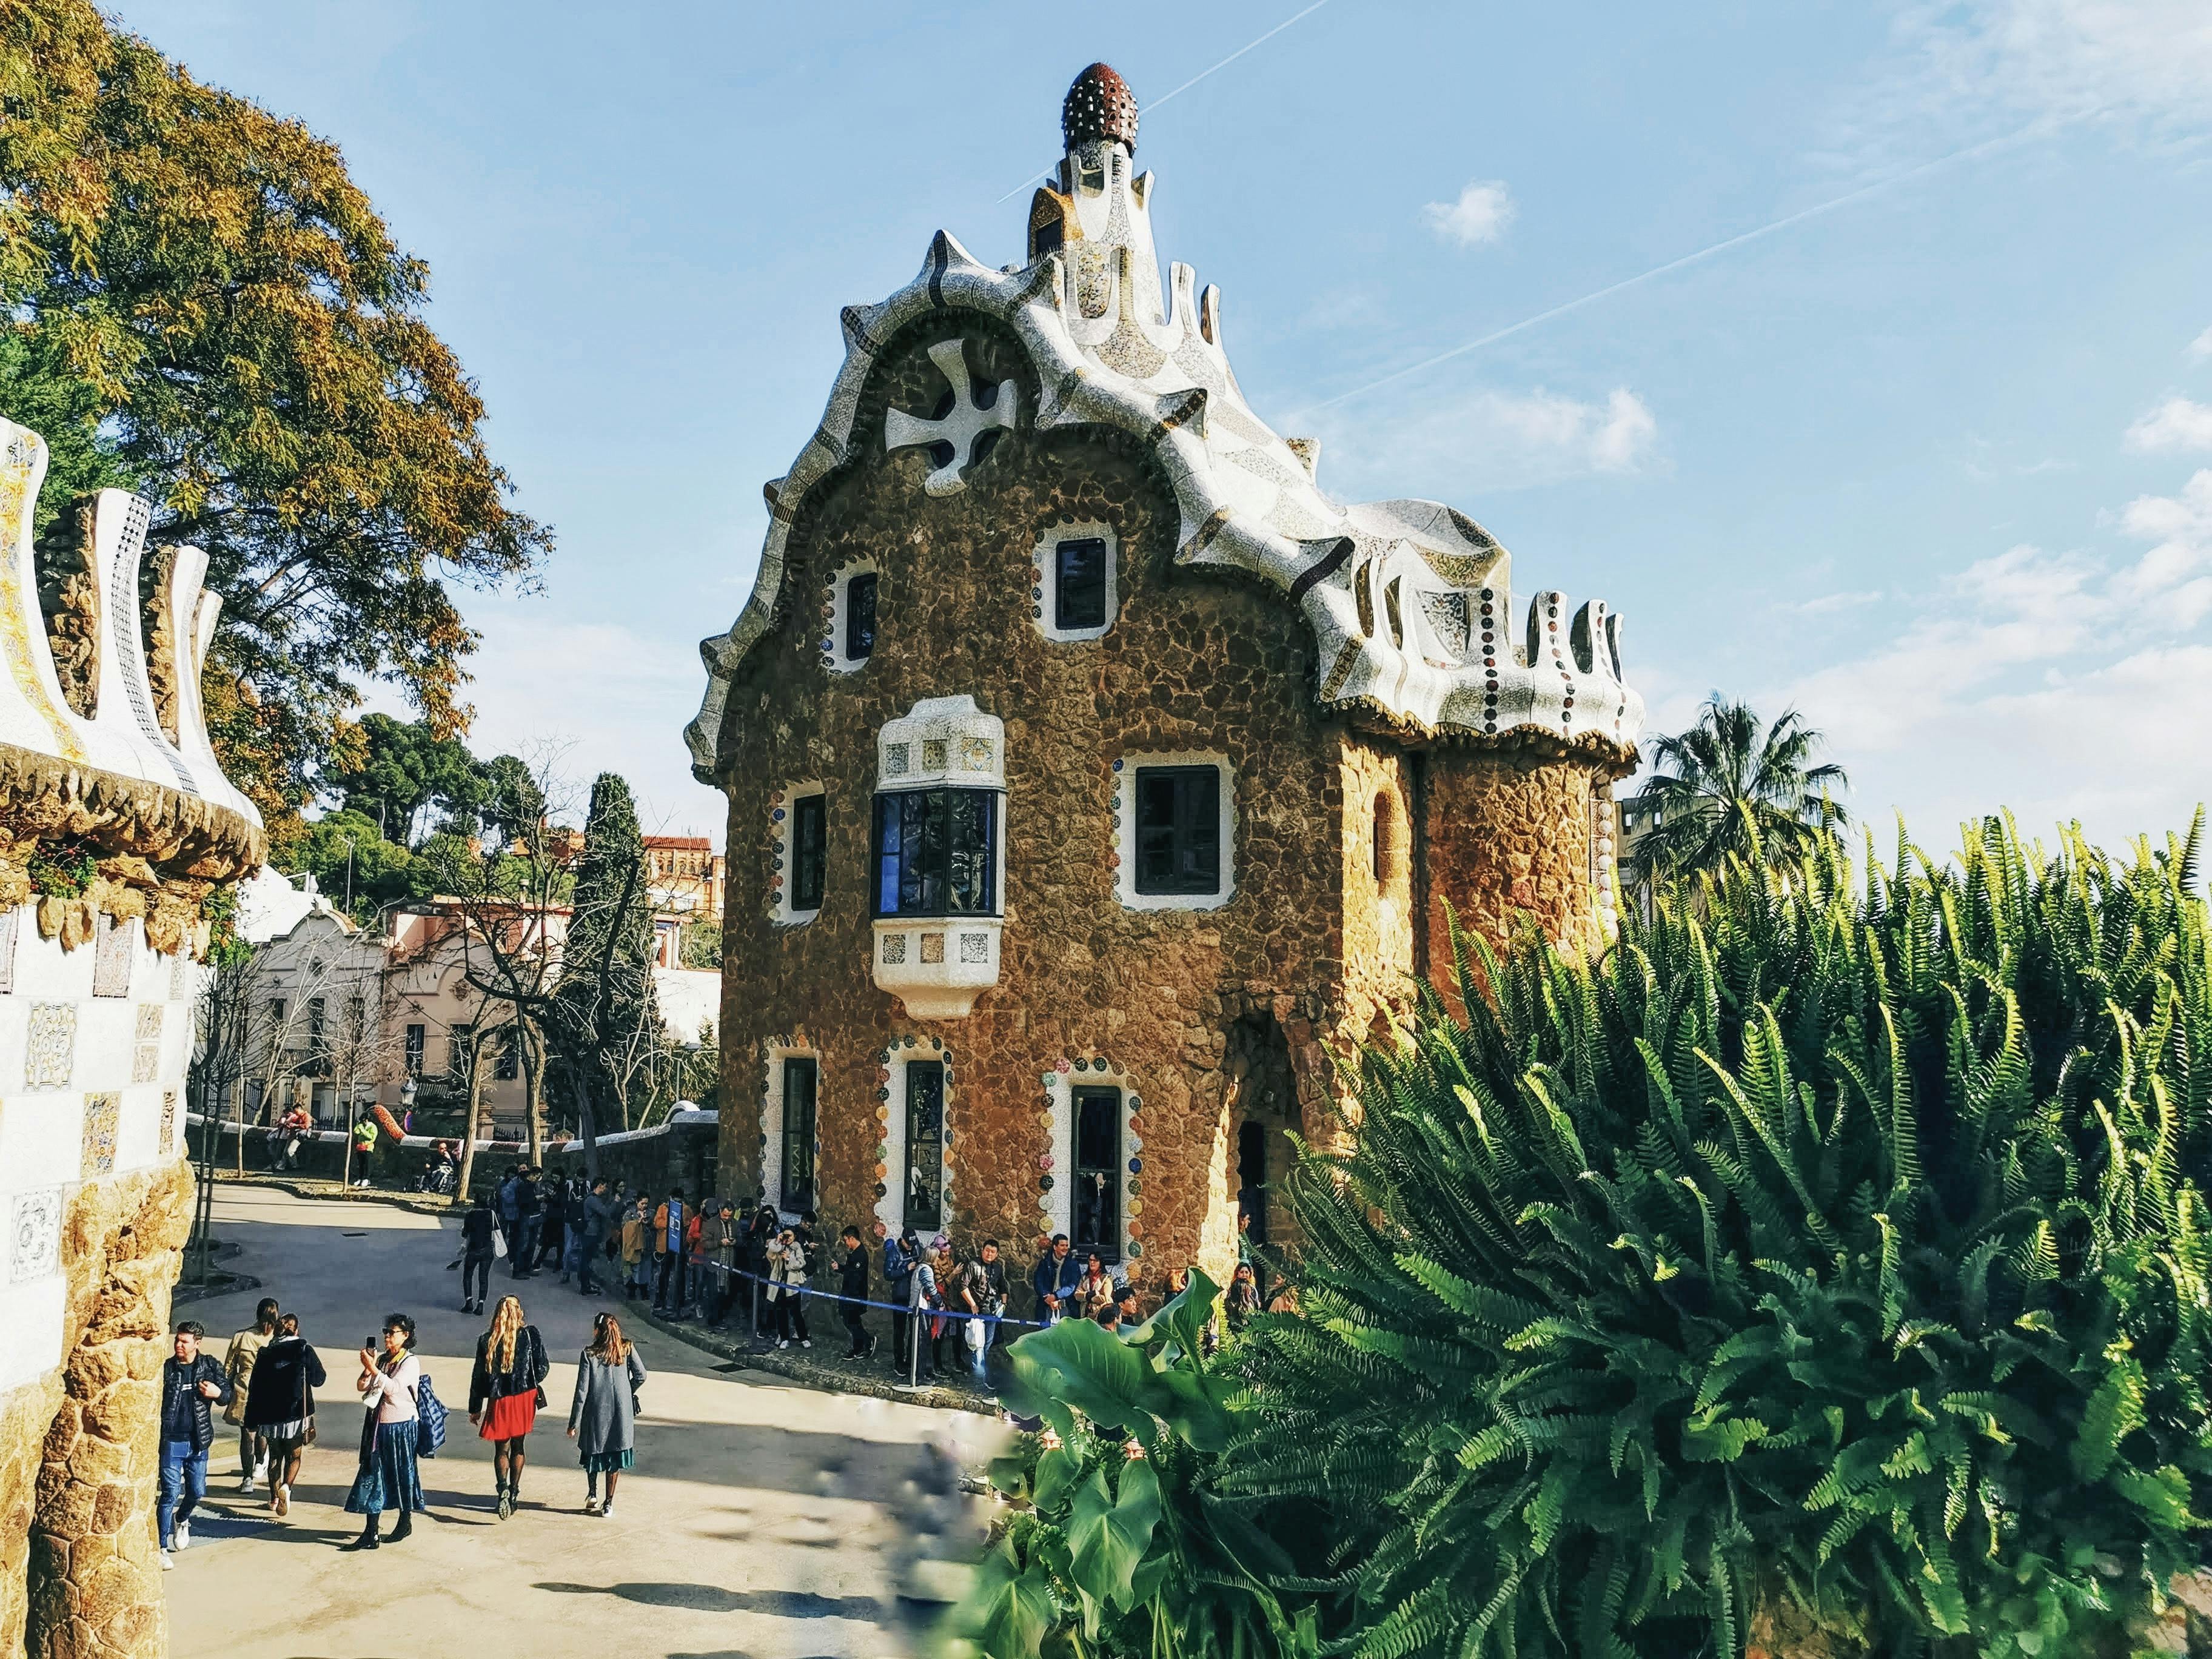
column 96, row 1574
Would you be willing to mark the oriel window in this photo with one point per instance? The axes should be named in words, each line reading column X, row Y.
column 924, row 1205
column 1178, row 839
column 937, row 853
column 861, row 617
column 810, row 849
column 801, row 1079
column 1078, row 585
column 1096, row 1173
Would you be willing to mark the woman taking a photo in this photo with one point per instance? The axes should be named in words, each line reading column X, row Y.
column 388, row 1480
column 280, row 1406
column 603, row 1421
column 504, row 1395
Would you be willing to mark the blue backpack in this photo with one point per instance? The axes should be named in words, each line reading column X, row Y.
column 430, row 1420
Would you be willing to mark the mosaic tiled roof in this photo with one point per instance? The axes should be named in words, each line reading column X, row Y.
column 1409, row 601
column 1099, row 106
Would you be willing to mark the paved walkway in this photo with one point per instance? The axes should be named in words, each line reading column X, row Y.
column 763, row 1520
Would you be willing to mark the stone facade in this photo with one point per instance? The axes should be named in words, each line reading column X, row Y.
column 116, row 829
column 1315, row 721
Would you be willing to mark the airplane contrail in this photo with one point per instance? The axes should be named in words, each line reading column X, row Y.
column 1984, row 147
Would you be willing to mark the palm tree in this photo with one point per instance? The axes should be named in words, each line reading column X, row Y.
column 1729, row 786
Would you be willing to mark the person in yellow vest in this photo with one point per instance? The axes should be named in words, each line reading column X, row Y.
column 364, row 1150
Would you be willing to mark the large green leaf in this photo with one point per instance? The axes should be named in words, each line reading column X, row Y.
column 1108, row 1535
column 1078, row 1365
column 1011, row 1607
column 1057, row 1471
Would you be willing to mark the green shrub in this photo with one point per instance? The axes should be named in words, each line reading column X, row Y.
column 1824, row 1267
column 1116, row 1544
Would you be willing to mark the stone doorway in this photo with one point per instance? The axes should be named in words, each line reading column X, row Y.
column 1263, row 1109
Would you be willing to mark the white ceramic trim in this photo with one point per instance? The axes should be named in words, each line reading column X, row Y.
column 891, row 1208
column 1044, row 584
column 1125, row 832
column 1056, row 1209
column 785, row 803
column 771, row 1117
column 832, row 643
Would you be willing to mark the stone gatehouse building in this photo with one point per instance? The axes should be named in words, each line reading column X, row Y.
column 1097, row 781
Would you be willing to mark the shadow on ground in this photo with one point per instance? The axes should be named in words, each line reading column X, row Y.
column 712, row 1598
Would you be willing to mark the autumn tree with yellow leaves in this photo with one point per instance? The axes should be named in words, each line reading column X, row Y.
column 197, row 302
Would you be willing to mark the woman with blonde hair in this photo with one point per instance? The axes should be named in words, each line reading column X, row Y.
column 603, row 1421
column 504, row 1394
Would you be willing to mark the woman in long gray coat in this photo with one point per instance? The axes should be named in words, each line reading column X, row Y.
column 603, row 1420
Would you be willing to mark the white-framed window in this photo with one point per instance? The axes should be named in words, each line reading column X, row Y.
column 791, row 1126
column 798, row 826
column 848, row 613
column 914, row 1148
column 1075, row 581
column 1175, row 820
column 1091, row 1160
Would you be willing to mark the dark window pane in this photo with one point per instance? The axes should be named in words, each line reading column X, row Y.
column 1046, row 239
column 925, row 1144
column 1096, row 1173
column 861, row 617
column 936, row 853
column 1178, row 830
column 810, row 844
column 800, row 1083
column 1079, row 585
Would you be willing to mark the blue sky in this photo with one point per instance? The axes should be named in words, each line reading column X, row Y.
column 1934, row 464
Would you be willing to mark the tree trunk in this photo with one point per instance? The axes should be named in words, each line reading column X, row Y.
column 587, row 1124
column 470, row 1125
column 533, row 1084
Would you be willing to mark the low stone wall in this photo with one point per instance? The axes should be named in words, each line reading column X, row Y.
column 678, row 1153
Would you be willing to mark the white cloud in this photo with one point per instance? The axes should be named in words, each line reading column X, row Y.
column 2177, row 423
column 1482, row 213
column 1828, row 603
column 2047, row 683
column 2201, row 347
column 2150, row 60
column 1492, row 439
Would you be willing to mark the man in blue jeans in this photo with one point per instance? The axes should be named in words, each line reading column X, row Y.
column 190, row 1381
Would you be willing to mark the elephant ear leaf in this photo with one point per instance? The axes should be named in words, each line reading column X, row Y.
column 1010, row 1476
column 1079, row 1364
column 1108, row 1536
column 1056, row 1472
column 1182, row 1318
column 1010, row 1608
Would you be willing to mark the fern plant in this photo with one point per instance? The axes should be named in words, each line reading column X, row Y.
column 1823, row 1271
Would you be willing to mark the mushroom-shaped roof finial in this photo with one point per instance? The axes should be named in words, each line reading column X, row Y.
column 1099, row 106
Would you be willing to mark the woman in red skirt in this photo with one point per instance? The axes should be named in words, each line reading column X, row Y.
column 504, row 1393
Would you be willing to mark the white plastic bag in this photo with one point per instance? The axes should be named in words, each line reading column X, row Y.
column 498, row 1245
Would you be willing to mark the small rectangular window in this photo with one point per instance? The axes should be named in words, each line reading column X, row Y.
column 801, row 1080
column 458, row 1040
column 415, row 1038
column 1079, row 584
column 937, row 853
column 508, row 1066
column 924, row 1205
column 810, row 851
column 1046, row 238
column 1097, row 1172
column 319, row 1051
column 861, row 617
column 1178, row 839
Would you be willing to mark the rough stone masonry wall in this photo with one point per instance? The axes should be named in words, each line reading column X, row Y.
column 80, row 1576
column 1193, row 663
column 1506, row 832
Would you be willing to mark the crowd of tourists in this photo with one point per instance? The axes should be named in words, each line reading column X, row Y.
column 751, row 1268
column 265, row 1386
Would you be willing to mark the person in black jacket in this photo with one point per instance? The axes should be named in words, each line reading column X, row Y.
column 553, row 1223
column 476, row 1254
column 190, row 1379
column 852, row 1287
column 504, row 1394
column 280, row 1406
column 529, row 1216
